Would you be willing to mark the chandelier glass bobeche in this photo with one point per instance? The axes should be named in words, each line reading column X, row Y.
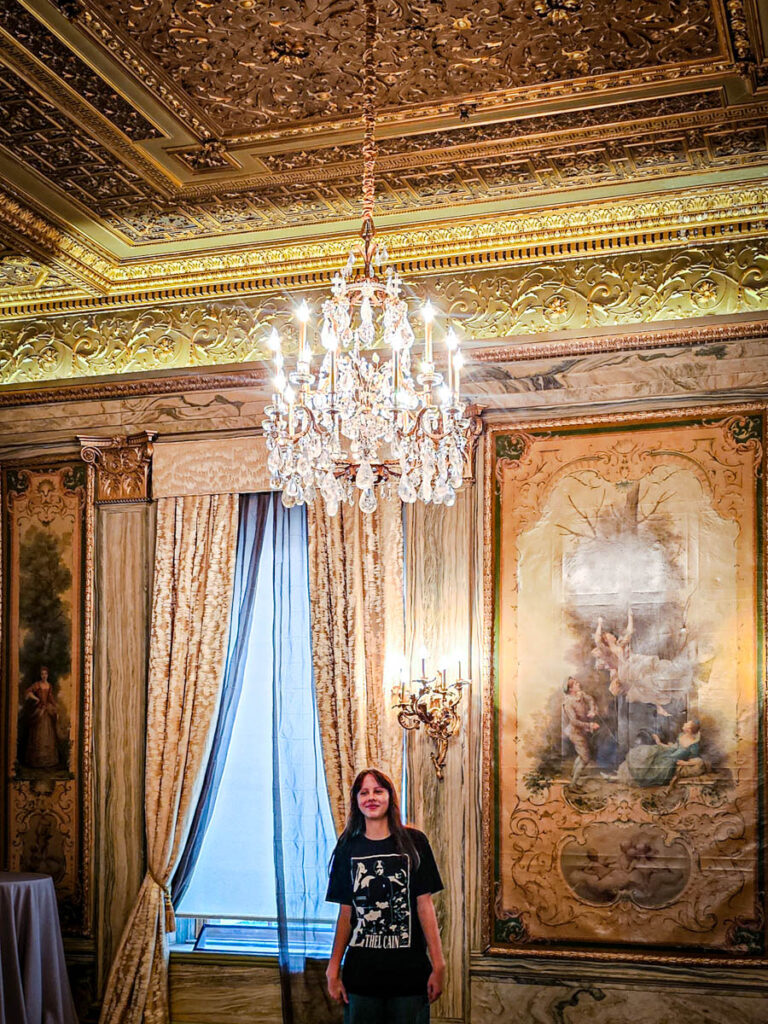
column 361, row 420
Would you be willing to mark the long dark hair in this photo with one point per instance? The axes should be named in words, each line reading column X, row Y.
column 356, row 819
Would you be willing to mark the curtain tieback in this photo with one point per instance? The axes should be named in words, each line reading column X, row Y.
column 170, row 916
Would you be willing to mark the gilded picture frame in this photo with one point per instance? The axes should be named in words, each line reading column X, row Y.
column 624, row 716
column 47, row 656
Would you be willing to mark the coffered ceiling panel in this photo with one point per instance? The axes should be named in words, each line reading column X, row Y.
column 252, row 65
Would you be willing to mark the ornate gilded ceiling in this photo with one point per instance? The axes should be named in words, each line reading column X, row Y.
column 159, row 150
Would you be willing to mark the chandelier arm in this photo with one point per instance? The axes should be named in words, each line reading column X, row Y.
column 310, row 422
column 418, row 425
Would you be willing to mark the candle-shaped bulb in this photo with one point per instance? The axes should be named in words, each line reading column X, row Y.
column 302, row 313
column 423, row 655
column 280, row 382
column 290, row 395
column 428, row 313
column 451, row 341
column 273, row 341
column 458, row 362
column 328, row 338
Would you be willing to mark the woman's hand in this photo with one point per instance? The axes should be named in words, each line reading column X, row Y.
column 435, row 983
column 336, row 988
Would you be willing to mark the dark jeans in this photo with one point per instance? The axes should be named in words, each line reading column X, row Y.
column 379, row 1010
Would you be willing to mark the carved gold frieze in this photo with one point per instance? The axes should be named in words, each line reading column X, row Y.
column 122, row 466
column 489, row 303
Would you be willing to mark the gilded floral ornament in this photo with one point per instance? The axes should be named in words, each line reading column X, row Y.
column 491, row 303
column 557, row 10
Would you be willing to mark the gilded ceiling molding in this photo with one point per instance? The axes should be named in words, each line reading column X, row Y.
column 52, row 54
column 550, row 151
column 122, row 466
column 558, row 233
column 620, row 224
column 597, row 291
column 739, row 32
column 116, row 43
column 21, row 226
column 491, row 103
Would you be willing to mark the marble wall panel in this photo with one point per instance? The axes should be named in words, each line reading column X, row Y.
column 215, row 991
column 507, row 1002
column 124, row 542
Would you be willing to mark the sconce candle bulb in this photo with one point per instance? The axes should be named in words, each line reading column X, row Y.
column 434, row 704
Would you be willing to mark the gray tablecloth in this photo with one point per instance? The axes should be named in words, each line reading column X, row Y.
column 34, row 988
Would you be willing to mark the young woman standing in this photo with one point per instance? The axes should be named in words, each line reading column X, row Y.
column 383, row 875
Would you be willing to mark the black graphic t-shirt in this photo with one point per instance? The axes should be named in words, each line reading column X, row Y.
column 387, row 951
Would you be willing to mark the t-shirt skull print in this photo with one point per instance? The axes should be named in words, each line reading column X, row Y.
column 387, row 950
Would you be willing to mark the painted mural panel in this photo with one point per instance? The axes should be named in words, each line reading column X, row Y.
column 627, row 784
column 47, row 559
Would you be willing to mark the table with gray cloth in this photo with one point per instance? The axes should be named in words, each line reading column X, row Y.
column 34, row 988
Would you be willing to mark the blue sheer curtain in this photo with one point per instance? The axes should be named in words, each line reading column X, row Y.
column 254, row 509
column 303, row 827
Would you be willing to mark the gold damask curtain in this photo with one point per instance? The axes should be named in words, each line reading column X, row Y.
column 194, row 569
column 356, row 600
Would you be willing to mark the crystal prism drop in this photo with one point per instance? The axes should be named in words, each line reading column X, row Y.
column 406, row 491
column 274, row 460
column 368, row 501
column 364, row 479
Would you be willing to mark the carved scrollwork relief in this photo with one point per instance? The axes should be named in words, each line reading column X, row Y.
column 122, row 466
column 621, row 289
column 239, row 62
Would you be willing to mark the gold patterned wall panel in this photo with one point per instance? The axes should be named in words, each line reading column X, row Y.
column 574, row 295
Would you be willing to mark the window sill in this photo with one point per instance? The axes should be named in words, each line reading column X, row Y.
column 185, row 953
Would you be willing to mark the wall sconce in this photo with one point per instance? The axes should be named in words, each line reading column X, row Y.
column 433, row 703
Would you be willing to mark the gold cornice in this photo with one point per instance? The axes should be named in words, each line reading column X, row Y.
column 38, row 235
column 697, row 215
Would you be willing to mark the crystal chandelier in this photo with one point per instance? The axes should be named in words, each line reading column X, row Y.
column 362, row 421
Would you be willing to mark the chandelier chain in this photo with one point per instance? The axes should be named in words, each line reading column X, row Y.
column 369, row 112
column 360, row 423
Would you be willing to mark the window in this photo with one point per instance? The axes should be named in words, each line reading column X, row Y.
column 232, row 890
